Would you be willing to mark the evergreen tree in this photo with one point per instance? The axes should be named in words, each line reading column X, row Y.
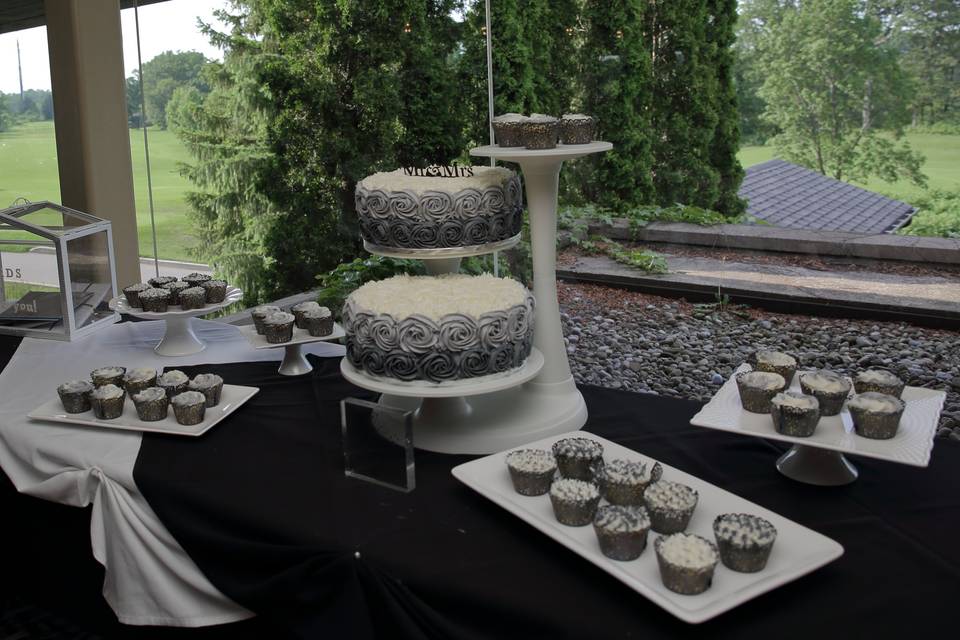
column 553, row 27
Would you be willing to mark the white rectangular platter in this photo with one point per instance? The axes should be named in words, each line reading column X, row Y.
column 797, row 551
column 911, row 445
column 231, row 398
column 300, row 336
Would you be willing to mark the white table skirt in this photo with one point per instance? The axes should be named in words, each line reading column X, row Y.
column 150, row 580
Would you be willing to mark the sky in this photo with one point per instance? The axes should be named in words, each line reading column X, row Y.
column 164, row 26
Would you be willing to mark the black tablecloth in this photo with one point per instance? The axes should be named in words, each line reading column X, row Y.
column 262, row 506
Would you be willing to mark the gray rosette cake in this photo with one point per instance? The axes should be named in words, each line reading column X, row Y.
column 431, row 212
column 438, row 328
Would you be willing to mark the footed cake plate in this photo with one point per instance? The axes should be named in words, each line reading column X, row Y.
column 294, row 363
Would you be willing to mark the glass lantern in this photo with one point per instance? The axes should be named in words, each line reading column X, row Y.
column 57, row 272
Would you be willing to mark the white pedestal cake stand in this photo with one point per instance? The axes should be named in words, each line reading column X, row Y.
column 178, row 338
column 294, row 363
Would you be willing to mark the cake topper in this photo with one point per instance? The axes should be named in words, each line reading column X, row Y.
column 452, row 170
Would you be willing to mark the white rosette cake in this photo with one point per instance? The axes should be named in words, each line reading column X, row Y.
column 398, row 210
column 438, row 328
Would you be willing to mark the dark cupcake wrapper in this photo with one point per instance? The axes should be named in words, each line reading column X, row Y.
column 216, row 293
column 621, row 545
column 152, row 410
column 107, row 408
column 508, row 134
column 623, row 493
column 189, row 414
column 156, row 305
column 529, row 483
column 891, row 390
column 278, row 333
column 75, row 401
column 574, row 513
column 174, row 389
column 578, row 467
column 668, row 521
column 134, row 387
column 133, row 298
column 192, row 301
column 101, row 380
column 744, row 559
column 753, row 399
column 211, row 393
column 787, row 372
column 796, row 422
column 683, row 580
column 540, row 135
column 830, row 403
column 580, row 131
column 875, row 425
column 319, row 327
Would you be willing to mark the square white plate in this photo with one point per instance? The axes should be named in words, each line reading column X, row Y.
column 911, row 445
column 797, row 551
column 300, row 336
column 231, row 398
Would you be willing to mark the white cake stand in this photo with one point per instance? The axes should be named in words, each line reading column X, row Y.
column 294, row 363
column 178, row 338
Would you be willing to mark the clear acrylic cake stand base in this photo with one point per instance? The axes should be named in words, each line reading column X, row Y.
column 813, row 465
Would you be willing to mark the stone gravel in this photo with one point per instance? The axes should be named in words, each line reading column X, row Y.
column 626, row 340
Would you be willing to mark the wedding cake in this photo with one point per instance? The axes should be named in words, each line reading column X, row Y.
column 438, row 328
column 438, row 207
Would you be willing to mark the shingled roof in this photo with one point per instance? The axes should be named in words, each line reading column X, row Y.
column 787, row 195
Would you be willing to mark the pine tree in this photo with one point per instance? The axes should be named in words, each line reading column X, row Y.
column 554, row 53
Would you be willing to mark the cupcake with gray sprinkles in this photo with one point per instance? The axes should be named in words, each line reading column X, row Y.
column 621, row 531
column 776, row 362
column 299, row 309
column 577, row 128
column 686, row 562
column 876, row 415
column 830, row 389
column 155, row 300
column 196, row 279
column 175, row 288
column 151, row 404
column 173, row 382
column 278, row 327
column 757, row 389
column 574, row 501
column 670, row 505
column 744, row 541
column 623, row 482
column 189, row 407
column 540, row 131
column 132, row 293
column 210, row 385
column 318, row 322
column 531, row 471
column 795, row 414
column 260, row 313
column 878, row 381
column 578, row 457
column 108, row 375
column 107, row 401
column 508, row 129
column 136, row 380
column 75, row 395
column 193, row 298
column 216, row 291
column 159, row 281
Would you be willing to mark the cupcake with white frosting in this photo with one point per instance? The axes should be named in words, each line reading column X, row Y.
column 210, row 385
column 876, row 415
column 299, row 309
column 259, row 313
column 318, row 321
column 574, row 501
column 278, row 327
column 151, row 404
column 623, row 482
column 189, row 407
column 108, row 375
column 577, row 128
column 776, row 362
column 75, row 395
column 174, row 382
column 795, row 414
column 155, row 300
column 578, row 457
column 878, row 381
column 507, row 129
column 686, row 562
column 621, row 531
column 531, row 471
column 744, row 540
column 670, row 505
column 757, row 389
column 540, row 131
column 107, row 401
column 136, row 380
column 193, row 298
column 830, row 389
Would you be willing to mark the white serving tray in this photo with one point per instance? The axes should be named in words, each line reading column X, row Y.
column 231, row 398
column 911, row 445
column 300, row 336
column 797, row 551
column 121, row 305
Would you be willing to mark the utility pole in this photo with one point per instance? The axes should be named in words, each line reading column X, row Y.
column 20, row 71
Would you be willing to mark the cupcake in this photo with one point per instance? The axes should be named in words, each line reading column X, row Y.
column 193, row 298
column 196, row 279
column 744, row 541
column 151, row 404
column 159, row 281
column 132, row 293
column 879, row 381
column 829, row 388
column 298, row 310
column 508, row 129
column 75, row 395
column 531, row 471
column 776, row 362
column 155, row 300
column 577, row 128
column 210, row 385
column 318, row 322
column 795, row 414
column 108, row 375
column 189, row 407
column 261, row 312
column 670, row 505
column 578, row 457
column 175, row 288
column 173, row 382
column 574, row 501
column 278, row 327
column 757, row 388
column 107, row 401
column 539, row 131
column 875, row 415
column 136, row 380
column 624, row 481
column 686, row 562
column 621, row 531
column 216, row 291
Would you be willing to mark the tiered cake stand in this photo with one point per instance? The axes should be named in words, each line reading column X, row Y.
column 535, row 401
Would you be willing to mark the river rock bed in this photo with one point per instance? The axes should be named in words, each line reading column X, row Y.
column 637, row 342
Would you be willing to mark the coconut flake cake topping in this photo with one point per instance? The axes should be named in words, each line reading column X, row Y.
column 875, row 403
column 188, row 398
column 763, row 380
column 397, row 180
column 578, row 448
column 795, row 400
column 279, row 317
column 150, row 394
column 107, row 392
column 878, row 376
column 620, row 519
column 135, row 375
column 744, row 529
column 826, row 382
column 318, row 312
column 173, row 378
column 574, row 490
column 687, row 550
column 776, row 358
column 75, row 386
column 629, row 472
column 665, row 494
column 532, row 461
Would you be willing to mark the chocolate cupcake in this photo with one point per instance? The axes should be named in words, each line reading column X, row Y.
column 577, row 128
column 75, row 395
column 155, row 300
column 578, row 457
column 531, row 471
column 107, row 402
column 151, row 404
column 508, row 129
column 159, row 281
column 193, row 298
column 540, row 131
column 757, row 388
column 876, row 415
column 136, row 380
column 196, row 279
column 776, row 362
column 829, row 388
column 299, row 309
column 216, row 291
column 261, row 312
column 878, row 381
column 574, row 501
column 621, row 531
column 108, row 375
column 318, row 322
column 670, row 505
column 173, row 382
column 744, row 541
column 175, row 288
column 210, row 385
column 623, row 482
column 189, row 407
column 278, row 327
column 686, row 562
column 795, row 414
column 132, row 294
